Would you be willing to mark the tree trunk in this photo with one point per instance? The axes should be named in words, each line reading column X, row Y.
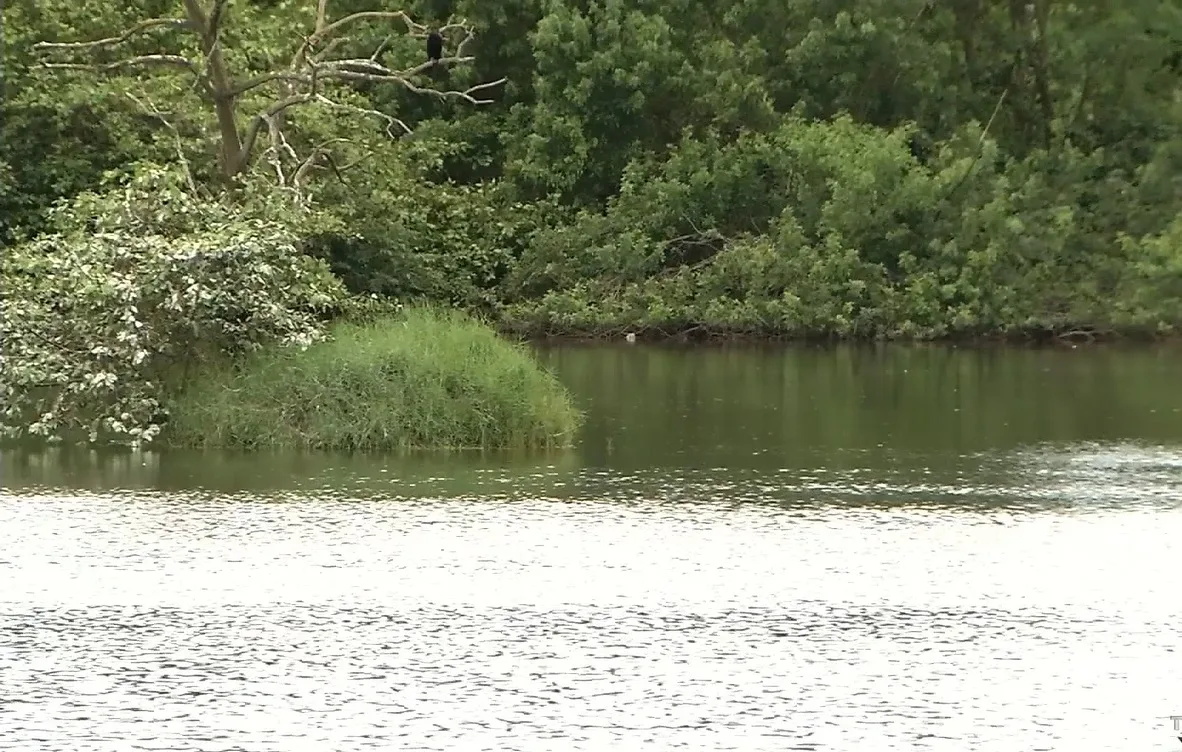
column 231, row 158
column 1039, row 60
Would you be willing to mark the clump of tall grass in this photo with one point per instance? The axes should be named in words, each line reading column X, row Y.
column 422, row 379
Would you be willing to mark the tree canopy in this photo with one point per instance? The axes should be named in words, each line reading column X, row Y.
column 820, row 168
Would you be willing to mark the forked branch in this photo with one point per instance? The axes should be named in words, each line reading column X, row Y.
column 300, row 82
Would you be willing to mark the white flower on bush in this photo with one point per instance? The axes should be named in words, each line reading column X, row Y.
column 92, row 324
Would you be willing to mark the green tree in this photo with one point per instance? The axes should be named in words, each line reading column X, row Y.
column 135, row 286
column 862, row 167
column 232, row 62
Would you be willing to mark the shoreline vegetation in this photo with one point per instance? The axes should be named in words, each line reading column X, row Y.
column 422, row 379
column 697, row 334
column 182, row 192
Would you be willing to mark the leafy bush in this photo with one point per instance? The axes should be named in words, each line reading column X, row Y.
column 63, row 134
column 799, row 231
column 878, row 169
column 136, row 286
column 835, row 229
column 838, row 178
column 424, row 379
column 1151, row 294
column 397, row 232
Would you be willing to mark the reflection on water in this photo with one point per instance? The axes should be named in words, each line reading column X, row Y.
column 733, row 585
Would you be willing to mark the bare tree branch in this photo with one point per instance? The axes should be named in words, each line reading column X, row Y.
column 380, row 49
column 278, row 147
column 468, row 95
column 298, row 83
column 214, row 24
column 311, row 162
column 390, row 120
column 369, row 70
column 335, row 170
column 282, row 140
column 151, row 23
column 354, row 163
column 360, row 69
column 321, row 14
column 330, row 47
column 131, row 62
column 266, row 78
column 322, row 31
column 365, row 15
column 273, row 155
column 262, row 118
column 469, row 35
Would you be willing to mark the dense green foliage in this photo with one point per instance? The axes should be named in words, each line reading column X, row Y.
column 855, row 168
column 152, row 315
column 421, row 379
column 218, row 174
column 832, row 227
column 131, row 290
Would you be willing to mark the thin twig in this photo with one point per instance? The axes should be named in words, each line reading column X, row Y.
column 980, row 142
column 309, row 163
column 390, row 120
column 153, row 110
column 996, row 109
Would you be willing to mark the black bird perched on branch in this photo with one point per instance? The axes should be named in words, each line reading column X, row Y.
column 434, row 46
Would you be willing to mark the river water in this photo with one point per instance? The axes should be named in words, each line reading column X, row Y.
column 757, row 549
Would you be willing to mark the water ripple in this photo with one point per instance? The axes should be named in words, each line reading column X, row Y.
column 809, row 609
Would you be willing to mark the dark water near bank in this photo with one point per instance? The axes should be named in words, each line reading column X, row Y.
column 762, row 550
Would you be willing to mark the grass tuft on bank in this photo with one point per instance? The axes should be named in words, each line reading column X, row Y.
column 423, row 379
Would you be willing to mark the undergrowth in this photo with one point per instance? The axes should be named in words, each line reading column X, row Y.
column 423, row 379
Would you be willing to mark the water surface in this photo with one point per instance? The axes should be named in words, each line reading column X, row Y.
column 893, row 549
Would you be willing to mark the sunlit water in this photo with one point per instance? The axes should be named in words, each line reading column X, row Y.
column 921, row 595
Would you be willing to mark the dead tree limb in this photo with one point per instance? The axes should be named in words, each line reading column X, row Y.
column 139, row 28
column 309, row 78
column 139, row 61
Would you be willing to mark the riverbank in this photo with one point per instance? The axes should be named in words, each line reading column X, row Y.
column 699, row 334
column 747, row 180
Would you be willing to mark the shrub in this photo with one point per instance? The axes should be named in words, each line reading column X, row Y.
column 424, row 379
column 1151, row 294
column 834, row 229
column 136, row 286
column 396, row 232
